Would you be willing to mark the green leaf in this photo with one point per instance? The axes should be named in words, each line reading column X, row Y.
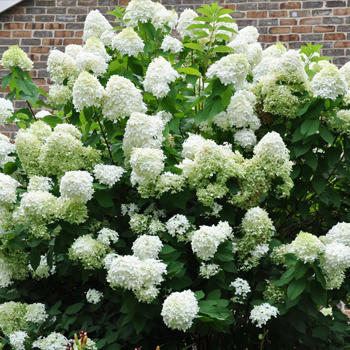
column 73, row 309
column 35, row 258
column 214, row 295
column 309, row 127
column 194, row 46
column 223, row 37
column 218, row 88
column 199, row 294
column 311, row 160
column 319, row 184
column 10, row 168
column 199, row 26
column 227, row 29
column 296, row 288
column 300, row 270
column 176, row 268
column 321, row 332
column 215, row 311
column 212, row 107
column 326, row 134
column 286, row 278
column 52, row 120
column 17, row 243
column 222, row 48
column 5, row 81
column 169, row 253
column 299, row 150
column 104, row 199
column 318, row 294
column 334, row 196
column 139, row 323
column 225, row 20
column 190, row 71
column 225, row 12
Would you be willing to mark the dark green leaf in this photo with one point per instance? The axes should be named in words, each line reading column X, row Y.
column 319, row 184
column 34, row 258
column 104, row 199
column 309, row 127
column 326, row 134
column 199, row 294
column 212, row 107
column 73, row 309
column 10, row 168
column 286, row 278
column 311, row 160
column 6, row 80
column 318, row 294
column 52, row 120
column 300, row 270
column 295, row 288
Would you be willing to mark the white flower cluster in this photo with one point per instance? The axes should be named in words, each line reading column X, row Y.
column 186, row 19
column 6, row 110
column 140, row 276
column 231, row 69
column 87, row 91
column 261, row 314
column 242, row 288
column 95, row 25
column 179, row 310
column 209, row 270
column 59, row 94
column 93, row 296
column 16, row 57
column 40, row 183
column 171, row 44
column 54, row 341
column 77, row 186
column 89, row 251
column 245, row 138
column 61, row 66
column 163, row 17
column 36, row 313
column 142, row 131
column 8, row 186
column 17, row 340
column 159, row 75
column 128, row 42
column 177, row 226
column 108, row 174
column 147, row 247
column 121, row 99
column 139, row 11
column 207, row 239
column 6, row 148
column 329, row 83
column 107, row 236
column 43, row 270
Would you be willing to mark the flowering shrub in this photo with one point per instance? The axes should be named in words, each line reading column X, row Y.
column 185, row 193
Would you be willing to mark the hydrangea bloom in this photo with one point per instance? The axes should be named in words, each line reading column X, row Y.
column 107, row 37
column 87, row 61
column 60, row 65
column 146, row 165
column 77, row 186
column 121, row 99
column 140, row 276
column 340, row 123
column 178, row 225
column 90, row 252
column 6, row 110
column 59, row 94
column 209, row 270
column 12, row 317
column 180, row 309
column 307, row 247
column 339, row 233
column 159, row 75
column 139, row 10
column 107, row 236
column 93, row 296
column 94, row 46
column 128, row 42
column 6, row 147
column 40, row 129
column 163, row 17
column 169, row 182
column 263, row 313
column 95, row 24
column 231, row 69
column 54, row 341
column 171, row 44
column 328, row 83
column 16, row 57
column 242, row 288
column 206, row 240
column 142, row 131
column 147, row 247
column 8, row 187
column 17, row 340
column 87, row 91
column 36, row 313
column 108, row 174
column 245, row 138
column 192, row 145
column 250, row 34
column 186, row 19
column 43, row 270
column 73, row 50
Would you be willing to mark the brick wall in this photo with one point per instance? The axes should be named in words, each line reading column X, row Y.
column 40, row 25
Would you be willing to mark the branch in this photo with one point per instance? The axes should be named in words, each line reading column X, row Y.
column 105, row 138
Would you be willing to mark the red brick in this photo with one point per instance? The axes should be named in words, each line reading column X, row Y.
column 22, row 34
column 5, row 34
column 79, row 34
column 10, row 26
column 302, row 29
column 311, row 21
column 341, row 44
column 335, row 36
column 256, row 14
column 291, row 5
column 288, row 22
column 33, row 25
column 54, row 26
column 229, row 6
column 267, row 38
column 73, row 41
column 278, row 13
column 16, row 10
column 34, row 58
column 52, row 42
column 290, row 37
column 324, row 29
column 39, row 81
column 63, row 33
column 40, row 49
column 341, row 12
column 124, row 2
column 279, row 30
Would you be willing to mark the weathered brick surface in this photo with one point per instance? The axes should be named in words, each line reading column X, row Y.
column 40, row 25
